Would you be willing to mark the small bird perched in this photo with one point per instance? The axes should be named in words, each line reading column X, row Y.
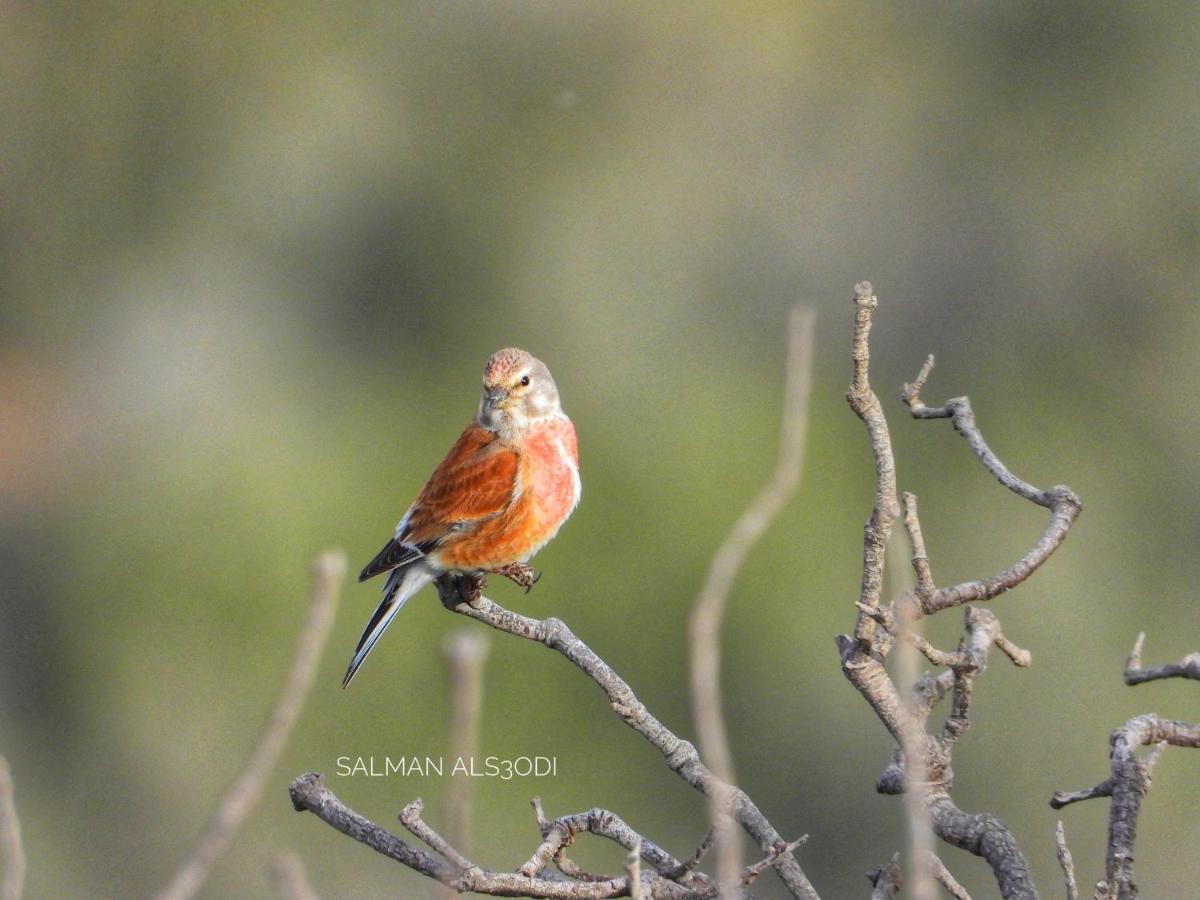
column 501, row 493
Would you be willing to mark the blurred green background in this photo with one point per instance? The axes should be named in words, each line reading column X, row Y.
column 252, row 259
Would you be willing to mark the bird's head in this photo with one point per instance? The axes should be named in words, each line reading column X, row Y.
column 517, row 389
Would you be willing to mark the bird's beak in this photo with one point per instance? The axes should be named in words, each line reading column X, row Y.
column 497, row 399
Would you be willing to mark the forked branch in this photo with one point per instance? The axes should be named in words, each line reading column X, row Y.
column 1127, row 784
column 1188, row 667
column 879, row 625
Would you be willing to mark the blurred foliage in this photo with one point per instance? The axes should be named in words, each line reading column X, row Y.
column 252, row 258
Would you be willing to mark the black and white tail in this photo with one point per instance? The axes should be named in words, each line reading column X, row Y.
column 401, row 584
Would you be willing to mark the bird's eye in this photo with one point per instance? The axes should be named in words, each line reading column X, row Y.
column 525, row 381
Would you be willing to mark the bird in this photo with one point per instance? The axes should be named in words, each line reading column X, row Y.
column 501, row 494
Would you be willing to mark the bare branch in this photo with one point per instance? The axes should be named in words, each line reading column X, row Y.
column 1063, row 515
column 12, row 852
column 982, row 834
column 959, row 409
column 1066, row 798
column 942, row 875
column 1188, row 667
column 680, row 755
column 876, row 628
column 751, row 872
column 410, row 818
column 886, row 509
column 556, row 837
column 243, row 796
column 568, row 867
column 862, row 655
column 1127, row 785
column 288, row 878
column 933, row 654
column 1063, row 503
column 1064, row 860
column 698, row 854
column 1018, row 655
column 309, row 793
column 559, row 833
column 920, row 557
column 708, row 613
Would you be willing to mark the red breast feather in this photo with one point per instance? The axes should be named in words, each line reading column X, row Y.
column 542, row 496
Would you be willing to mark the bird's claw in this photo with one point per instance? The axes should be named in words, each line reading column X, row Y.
column 454, row 589
column 520, row 573
column 471, row 587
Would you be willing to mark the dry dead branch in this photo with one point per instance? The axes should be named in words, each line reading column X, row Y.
column 1066, row 862
column 1127, row 784
column 878, row 624
column 666, row 877
column 1188, row 667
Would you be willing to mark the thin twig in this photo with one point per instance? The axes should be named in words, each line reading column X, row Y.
column 920, row 556
column 1063, row 503
column 1066, row 798
column 12, row 851
column 288, row 878
column 410, row 818
column 568, row 867
column 692, row 861
column 942, row 875
column 558, row 834
column 708, row 612
column 243, row 796
column 1064, row 860
column 1188, row 667
column 751, row 872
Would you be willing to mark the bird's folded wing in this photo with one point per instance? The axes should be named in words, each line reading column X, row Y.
column 478, row 480
column 394, row 554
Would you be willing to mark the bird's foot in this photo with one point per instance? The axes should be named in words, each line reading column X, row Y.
column 455, row 588
column 520, row 573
